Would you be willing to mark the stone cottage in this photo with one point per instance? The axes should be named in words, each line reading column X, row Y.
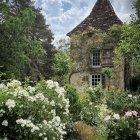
column 91, row 56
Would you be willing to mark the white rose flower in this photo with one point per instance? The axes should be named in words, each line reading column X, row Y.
column 90, row 103
column 40, row 96
column 130, row 95
column 40, row 134
column 14, row 83
column 2, row 111
column 45, row 138
column 50, row 84
column 5, row 123
column 10, row 103
column 107, row 118
column 5, row 138
column 35, row 128
column 3, row 87
column 56, row 84
column 52, row 103
column 31, row 89
column 116, row 116
column 57, row 119
column 60, row 90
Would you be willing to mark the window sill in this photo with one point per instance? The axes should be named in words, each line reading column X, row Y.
column 96, row 66
column 107, row 65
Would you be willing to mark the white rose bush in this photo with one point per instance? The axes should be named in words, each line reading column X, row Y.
column 38, row 113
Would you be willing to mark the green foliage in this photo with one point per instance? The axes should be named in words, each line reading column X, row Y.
column 1, row 73
column 100, row 136
column 75, row 105
column 130, row 44
column 113, row 35
column 122, row 122
column 123, row 129
column 119, row 101
column 137, row 6
column 106, row 109
column 93, row 108
column 96, row 94
column 41, row 67
column 129, row 48
column 25, row 42
column 106, row 72
column 62, row 66
column 89, row 113
column 115, row 100
column 17, row 46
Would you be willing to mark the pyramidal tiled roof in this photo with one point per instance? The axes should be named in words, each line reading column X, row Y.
column 101, row 17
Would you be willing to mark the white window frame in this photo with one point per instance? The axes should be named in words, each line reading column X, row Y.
column 91, row 79
column 96, row 66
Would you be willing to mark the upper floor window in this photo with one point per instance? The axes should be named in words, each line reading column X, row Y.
column 96, row 58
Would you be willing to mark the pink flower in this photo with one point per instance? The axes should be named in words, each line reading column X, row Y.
column 131, row 113
column 135, row 113
column 128, row 114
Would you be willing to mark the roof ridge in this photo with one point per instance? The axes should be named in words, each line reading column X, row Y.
column 101, row 17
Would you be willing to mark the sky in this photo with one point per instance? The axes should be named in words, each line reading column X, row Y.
column 64, row 15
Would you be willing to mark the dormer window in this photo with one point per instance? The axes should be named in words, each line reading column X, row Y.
column 96, row 59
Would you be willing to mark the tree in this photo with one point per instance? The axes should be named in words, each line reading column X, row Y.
column 130, row 39
column 137, row 7
column 63, row 65
column 41, row 67
column 130, row 44
column 16, row 43
column 32, row 39
column 129, row 49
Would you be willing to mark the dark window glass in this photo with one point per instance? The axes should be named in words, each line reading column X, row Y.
column 96, row 58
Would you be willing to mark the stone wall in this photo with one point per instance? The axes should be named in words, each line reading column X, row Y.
column 81, row 53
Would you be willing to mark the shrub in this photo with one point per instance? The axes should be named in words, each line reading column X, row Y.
column 75, row 105
column 90, row 102
column 107, row 73
column 36, row 113
column 89, row 113
column 120, row 102
column 123, row 128
column 96, row 94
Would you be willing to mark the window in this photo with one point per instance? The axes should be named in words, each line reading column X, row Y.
column 107, row 57
column 95, row 79
column 96, row 58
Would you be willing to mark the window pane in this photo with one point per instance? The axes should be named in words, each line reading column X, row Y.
column 96, row 78
column 96, row 57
